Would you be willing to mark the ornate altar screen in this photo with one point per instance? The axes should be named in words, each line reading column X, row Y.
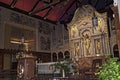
column 86, row 40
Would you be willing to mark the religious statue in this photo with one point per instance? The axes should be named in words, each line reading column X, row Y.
column 74, row 31
column 87, row 43
column 98, row 46
column 77, row 49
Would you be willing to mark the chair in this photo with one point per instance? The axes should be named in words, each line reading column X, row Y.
column 91, row 73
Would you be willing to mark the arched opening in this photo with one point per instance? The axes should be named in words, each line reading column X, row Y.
column 54, row 56
column 116, row 51
column 67, row 55
column 60, row 56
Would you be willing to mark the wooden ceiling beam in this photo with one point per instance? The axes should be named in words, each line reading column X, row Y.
column 47, row 6
column 67, row 9
column 47, row 1
column 13, row 3
column 47, row 13
column 35, row 5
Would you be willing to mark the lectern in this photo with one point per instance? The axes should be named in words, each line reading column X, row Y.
column 26, row 67
column 26, row 63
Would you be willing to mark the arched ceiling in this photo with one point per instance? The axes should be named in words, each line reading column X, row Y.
column 52, row 10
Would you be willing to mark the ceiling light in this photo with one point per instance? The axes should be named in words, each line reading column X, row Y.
column 115, row 3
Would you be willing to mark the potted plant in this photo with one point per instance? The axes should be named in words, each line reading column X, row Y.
column 110, row 70
column 63, row 66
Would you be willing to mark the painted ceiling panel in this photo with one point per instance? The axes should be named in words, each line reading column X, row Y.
column 6, row 1
column 59, row 10
column 52, row 10
column 39, row 5
column 70, row 13
column 25, row 5
column 42, row 13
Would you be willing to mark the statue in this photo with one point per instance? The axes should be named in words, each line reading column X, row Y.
column 77, row 49
column 87, row 43
column 98, row 46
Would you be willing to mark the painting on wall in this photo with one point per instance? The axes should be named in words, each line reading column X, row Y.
column 40, row 27
column 47, row 29
column 44, row 28
column 19, row 32
column 21, row 19
column 45, row 43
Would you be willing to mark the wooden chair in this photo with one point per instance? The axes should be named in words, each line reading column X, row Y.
column 91, row 73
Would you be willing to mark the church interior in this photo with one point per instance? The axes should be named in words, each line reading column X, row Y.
column 57, row 39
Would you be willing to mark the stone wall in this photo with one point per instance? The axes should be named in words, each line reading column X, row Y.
column 19, row 24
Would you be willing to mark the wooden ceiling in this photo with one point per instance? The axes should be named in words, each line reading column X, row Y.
column 52, row 10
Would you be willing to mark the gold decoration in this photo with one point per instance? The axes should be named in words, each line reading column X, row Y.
column 87, row 43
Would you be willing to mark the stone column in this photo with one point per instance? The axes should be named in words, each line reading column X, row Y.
column 117, row 25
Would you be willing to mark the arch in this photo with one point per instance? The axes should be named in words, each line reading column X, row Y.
column 54, row 57
column 115, row 51
column 60, row 56
column 67, row 54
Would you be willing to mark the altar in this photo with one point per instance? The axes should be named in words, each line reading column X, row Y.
column 49, row 68
column 46, row 68
column 86, row 41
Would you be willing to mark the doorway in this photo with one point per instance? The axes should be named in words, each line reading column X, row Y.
column 115, row 51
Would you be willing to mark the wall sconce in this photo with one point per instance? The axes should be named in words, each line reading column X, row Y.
column 94, row 20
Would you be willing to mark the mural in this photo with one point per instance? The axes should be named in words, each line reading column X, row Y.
column 21, row 19
column 44, row 28
column 19, row 32
column 14, row 34
column 45, row 43
column 44, row 35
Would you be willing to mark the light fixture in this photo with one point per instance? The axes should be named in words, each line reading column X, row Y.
column 115, row 2
column 94, row 20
